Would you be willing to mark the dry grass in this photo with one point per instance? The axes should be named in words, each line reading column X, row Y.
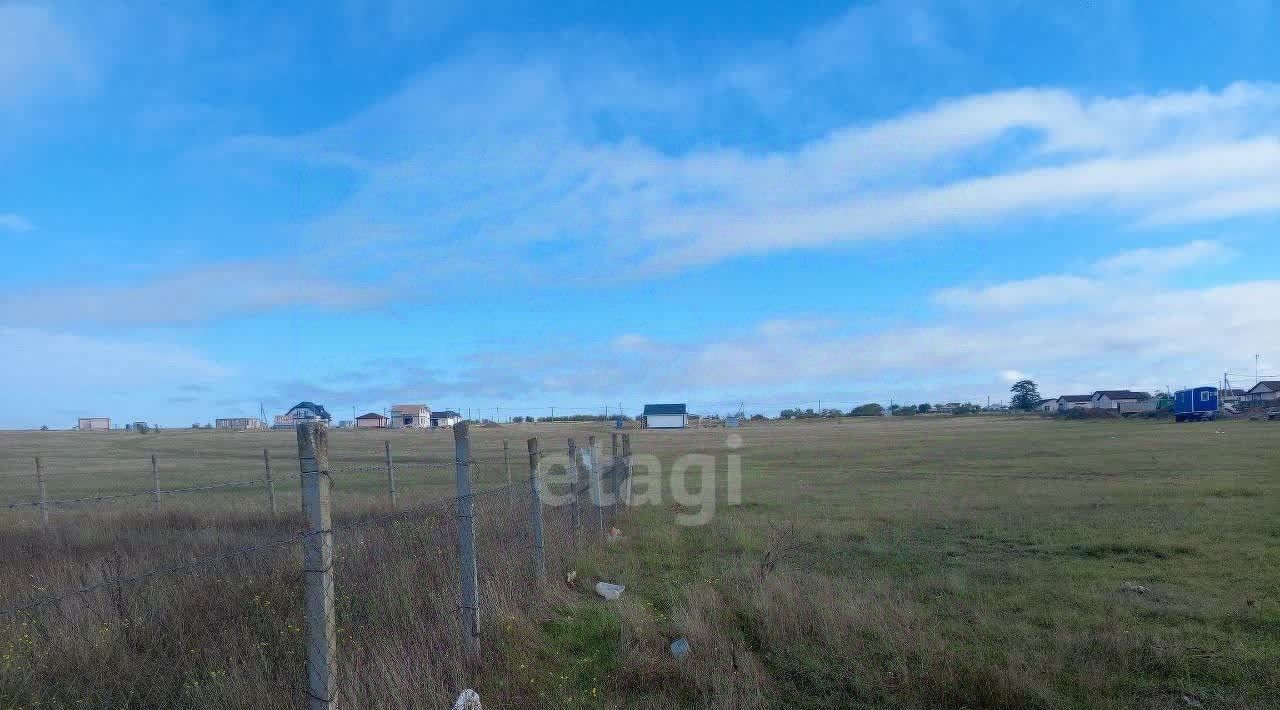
column 925, row 563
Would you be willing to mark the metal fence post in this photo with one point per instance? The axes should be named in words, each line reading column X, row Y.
column 155, row 479
column 271, row 484
column 44, row 494
column 535, row 510
column 391, row 474
column 317, row 549
column 575, row 515
column 467, row 541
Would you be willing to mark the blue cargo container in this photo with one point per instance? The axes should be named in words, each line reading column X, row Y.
column 1196, row 404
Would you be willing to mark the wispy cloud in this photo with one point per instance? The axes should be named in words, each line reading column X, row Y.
column 40, row 55
column 1107, row 279
column 15, row 223
column 1109, row 327
column 190, row 296
column 993, row 158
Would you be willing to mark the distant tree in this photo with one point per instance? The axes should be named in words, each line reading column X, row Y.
column 905, row 410
column 1026, row 396
column 966, row 409
column 894, row 407
column 758, row 417
column 44, row 428
column 867, row 410
column 924, row 408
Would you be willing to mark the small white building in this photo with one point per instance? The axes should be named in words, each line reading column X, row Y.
column 372, row 420
column 1047, row 405
column 1262, row 393
column 666, row 416
column 410, row 416
column 1074, row 401
column 239, row 424
column 1122, row 401
column 93, row 423
column 445, row 419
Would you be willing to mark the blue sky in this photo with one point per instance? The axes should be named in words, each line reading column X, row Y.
column 485, row 205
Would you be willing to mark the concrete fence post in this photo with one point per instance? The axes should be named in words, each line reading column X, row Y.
column 467, row 541
column 317, row 550
column 44, row 494
column 614, row 464
column 626, row 469
column 391, row 474
column 535, row 510
column 506, row 462
column 575, row 514
column 271, row 484
column 593, row 480
column 155, row 479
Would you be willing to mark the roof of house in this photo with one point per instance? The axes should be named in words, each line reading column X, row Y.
column 1075, row 398
column 1120, row 394
column 1266, row 386
column 370, row 415
column 318, row 409
column 667, row 409
column 409, row 408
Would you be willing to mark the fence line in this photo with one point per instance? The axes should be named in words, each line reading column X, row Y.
column 269, row 480
column 320, row 564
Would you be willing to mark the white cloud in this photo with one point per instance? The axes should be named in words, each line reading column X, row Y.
column 1243, row 201
column 1109, row 279
column 1159, row 261
column 40, row 56
column 15, row 223
column 1160, row 335
column 1028, row 293
column 191, row 296
column 512, row 158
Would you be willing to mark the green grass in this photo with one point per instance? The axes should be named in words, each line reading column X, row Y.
column 923, row 562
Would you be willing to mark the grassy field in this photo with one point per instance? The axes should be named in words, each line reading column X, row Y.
column 888, row 563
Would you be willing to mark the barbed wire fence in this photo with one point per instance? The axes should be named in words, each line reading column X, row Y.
column 384, row 609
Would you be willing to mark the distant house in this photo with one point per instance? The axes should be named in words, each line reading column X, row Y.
column 1074, row 401
column 93, row 423
column 1047, row 405
column 666, row 416
column 302, row 412
column 1263, row 392
column 1122, row 401
column 410, row 416
column 1231, row 395
column 239, row 423
column 372, row 420
column 444, row 419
